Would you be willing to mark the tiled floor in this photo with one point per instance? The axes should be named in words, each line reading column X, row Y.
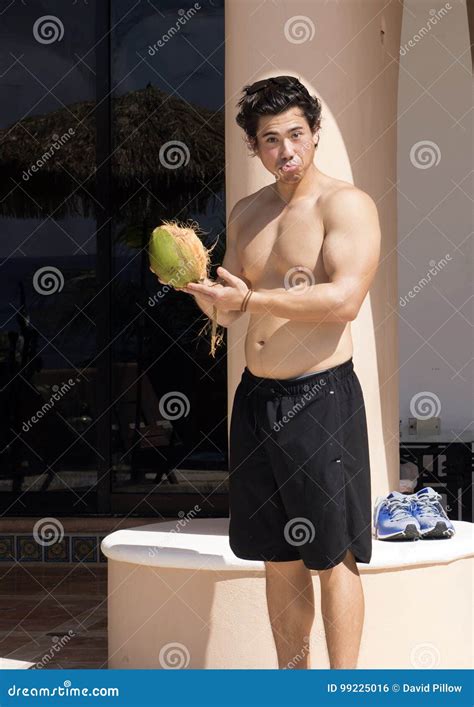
column 54, row 616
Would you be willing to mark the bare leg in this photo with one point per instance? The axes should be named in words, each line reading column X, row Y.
column 290, row 600
column 342, row 606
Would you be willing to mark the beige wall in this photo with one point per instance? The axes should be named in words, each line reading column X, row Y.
column 219, row 620
column 435, row 216
column 344, row 60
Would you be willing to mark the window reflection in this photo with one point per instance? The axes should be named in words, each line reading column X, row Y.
column 170, row 427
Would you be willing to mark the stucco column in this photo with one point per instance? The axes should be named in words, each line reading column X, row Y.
column 344, row 52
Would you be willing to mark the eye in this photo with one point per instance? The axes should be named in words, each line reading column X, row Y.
column 297, row 134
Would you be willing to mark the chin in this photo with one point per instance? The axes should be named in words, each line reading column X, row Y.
column 290, row 178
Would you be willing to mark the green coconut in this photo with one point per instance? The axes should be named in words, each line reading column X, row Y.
column 178, row 257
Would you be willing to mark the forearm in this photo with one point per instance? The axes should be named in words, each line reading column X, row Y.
column 317, row 303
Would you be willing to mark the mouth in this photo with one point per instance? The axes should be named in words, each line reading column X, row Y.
column 290, row 166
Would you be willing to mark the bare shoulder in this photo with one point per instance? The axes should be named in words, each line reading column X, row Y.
column 248, row 205
column 342, row 202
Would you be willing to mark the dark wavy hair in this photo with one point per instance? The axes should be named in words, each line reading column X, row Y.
column 276, row 95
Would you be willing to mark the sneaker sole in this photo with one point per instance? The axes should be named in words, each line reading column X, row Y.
column 440, row 530
column 411, row 532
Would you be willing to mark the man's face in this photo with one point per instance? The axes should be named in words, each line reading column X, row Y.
column 285, row 145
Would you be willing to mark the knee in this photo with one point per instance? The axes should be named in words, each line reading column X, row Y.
column 348, row 562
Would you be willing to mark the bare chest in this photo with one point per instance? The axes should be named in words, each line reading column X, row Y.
column 270, row 248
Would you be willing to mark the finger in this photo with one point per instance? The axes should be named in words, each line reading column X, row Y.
column 227, row 276
column 201, row 289
column 207, row 297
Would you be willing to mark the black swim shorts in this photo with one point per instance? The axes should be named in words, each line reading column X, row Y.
column 299, row 481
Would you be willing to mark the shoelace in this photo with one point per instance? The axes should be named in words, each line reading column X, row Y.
column 398, row 508
column 425, row 505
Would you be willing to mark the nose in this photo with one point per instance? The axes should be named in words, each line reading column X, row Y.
column 287, row 150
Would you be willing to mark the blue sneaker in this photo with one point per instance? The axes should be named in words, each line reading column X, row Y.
column 394, row 519
column 432, row 517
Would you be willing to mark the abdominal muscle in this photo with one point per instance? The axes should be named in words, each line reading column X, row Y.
column 282, row 348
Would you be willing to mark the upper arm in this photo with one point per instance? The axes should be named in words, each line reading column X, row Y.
column 351, row 246
column 231, row 260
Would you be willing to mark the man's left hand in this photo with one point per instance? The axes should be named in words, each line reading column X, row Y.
column 224, row 298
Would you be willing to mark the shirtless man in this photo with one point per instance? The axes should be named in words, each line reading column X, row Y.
column 301, row 255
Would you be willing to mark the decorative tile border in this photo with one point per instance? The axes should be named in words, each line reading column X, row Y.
column 71, row 548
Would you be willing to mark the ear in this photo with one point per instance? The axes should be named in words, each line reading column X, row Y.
column 252, row 145
column 316, row 134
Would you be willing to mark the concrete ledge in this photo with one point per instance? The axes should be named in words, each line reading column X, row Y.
column 203, row 544
column 185, row 593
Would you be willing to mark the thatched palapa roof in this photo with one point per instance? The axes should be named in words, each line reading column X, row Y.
column 143, row 121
